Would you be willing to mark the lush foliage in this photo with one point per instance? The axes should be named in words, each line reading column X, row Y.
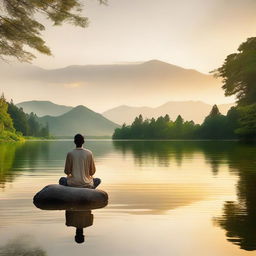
column 27, row 124
column 7, row 131
column 239, row 78
column 215, row 126
column 14, row 123
column 247, row 129
column 20, row 26
column 5, row 119
column 239, row 73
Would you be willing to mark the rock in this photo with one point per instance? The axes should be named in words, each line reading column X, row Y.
column 58, row 197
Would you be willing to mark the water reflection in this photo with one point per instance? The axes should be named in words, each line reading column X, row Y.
column 7, row 159
column 156, row 199
column 166, row 152
column 76, row 216
column 136, row 196
column 22, row 246
column 14, row 157
column 79, row 220
column 239, row 218
column 17, row 157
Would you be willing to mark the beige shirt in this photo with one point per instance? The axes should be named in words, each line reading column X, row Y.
column 80, row 168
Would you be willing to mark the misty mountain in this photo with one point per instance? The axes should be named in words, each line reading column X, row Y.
column 189, row 110
column 43, row 108
column 79, row 120
column 104, row 86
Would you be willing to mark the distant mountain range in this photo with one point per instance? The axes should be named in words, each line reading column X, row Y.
column 65, row 119
column 79, row 120
column 150, row 83
column 43, row 108
column 189, row 110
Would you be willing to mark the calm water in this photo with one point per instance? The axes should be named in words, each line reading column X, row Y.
column 166, row 198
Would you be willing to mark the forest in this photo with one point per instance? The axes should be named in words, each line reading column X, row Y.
column 215, row 126
column 239, row 123
column 15, row 123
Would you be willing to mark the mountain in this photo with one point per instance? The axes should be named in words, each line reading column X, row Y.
column 149, row 83
column 79, row 120
column 189, row 110
column 43, row 108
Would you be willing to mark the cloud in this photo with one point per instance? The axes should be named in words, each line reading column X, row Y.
column 73, row 85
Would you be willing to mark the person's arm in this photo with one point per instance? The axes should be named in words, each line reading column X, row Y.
column 92, row 168
column 68, row 165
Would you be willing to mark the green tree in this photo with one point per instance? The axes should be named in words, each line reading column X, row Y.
column 34, row 126
column 167, row 118
column 214, row 125
column 161, row 127
column 215, row 111
column 177, row 129
column 137, row 129
column 233, row 117
column 5, row 119
column 247, row 122
column 239, row 73
column 19, row 118
column 122, row 133
column 20, row 27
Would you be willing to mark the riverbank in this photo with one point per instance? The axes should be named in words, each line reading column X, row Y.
column 7, row 136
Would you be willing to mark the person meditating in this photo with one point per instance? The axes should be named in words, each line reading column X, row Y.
column 79, row 167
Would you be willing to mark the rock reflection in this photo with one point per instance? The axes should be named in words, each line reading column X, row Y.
column 79, row 220
column 22, row 246
column 239, row 218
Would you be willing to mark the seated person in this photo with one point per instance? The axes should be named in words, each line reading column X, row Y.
column 80, row 167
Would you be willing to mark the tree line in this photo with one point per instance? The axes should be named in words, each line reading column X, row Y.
column 215, row 126
column 15, row 123
column 238, row 74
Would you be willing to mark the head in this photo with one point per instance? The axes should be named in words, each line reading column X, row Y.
column 79, row 140
column 79, row 237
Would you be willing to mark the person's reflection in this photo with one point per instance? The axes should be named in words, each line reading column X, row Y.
column 79, row 220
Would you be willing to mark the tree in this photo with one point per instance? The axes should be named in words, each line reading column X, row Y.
column 239, row 73
column 167, row 118
column 214, row 112
column 5, row 119
column 247, row 122
column 34, row 126
column 19, row 118
column 179, row 121
column 177, row 128
column 214, row 125
column 20, row 28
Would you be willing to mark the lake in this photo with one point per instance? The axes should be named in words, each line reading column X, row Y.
column 190, row 198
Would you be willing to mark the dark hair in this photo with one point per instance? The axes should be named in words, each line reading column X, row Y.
column 79, row 140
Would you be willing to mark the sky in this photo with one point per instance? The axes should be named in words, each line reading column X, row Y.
column 195, row 34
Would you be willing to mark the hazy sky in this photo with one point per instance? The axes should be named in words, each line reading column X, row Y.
column 194, row 34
